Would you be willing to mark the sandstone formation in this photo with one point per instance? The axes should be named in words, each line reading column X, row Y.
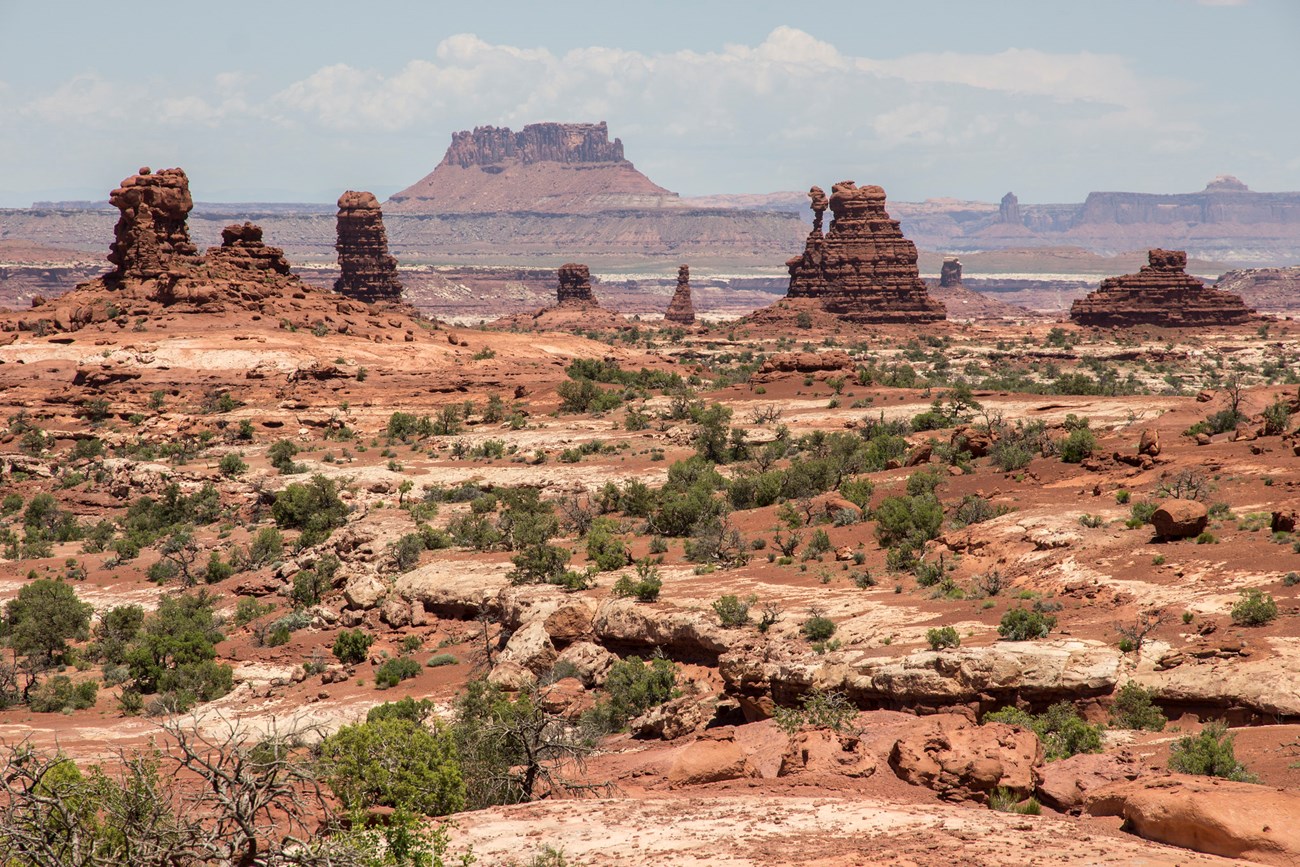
column 369, row 274
column 862, row 270
column 1221, row 817
column 151, row 234
column 1161, row 293
column 575, row 309
column 964, row 761
column 950, row 274
column 1179, row 519
column 1009, row 210
column 158, row 270
column 680, row 309
column 549, row 168
column 574, row 287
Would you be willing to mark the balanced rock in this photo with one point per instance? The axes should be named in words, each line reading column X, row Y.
column 1179, row 519
column 1162, row 294
column 680, row 309
column 151, row 235
column 862, row 270
column 369, row 274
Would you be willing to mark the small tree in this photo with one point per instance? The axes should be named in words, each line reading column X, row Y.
column 1209, row 754
column 43, row 618
column 351, row 646
column 1254, row 608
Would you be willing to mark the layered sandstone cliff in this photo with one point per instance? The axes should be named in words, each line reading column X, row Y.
column 549, row 168
column 1161, row 293
column 369, row 274
column 680, row 309
column 863, row 269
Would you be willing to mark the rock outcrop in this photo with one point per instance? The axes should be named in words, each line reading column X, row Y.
column 151, row 235
column 680, row 309
column 950, row 272
column 1162, row 294
column 369, row 274
column 862, row 270
column 159, row 272
column 964, row 761
column 1009, row 210
column 545, row 168
column 574, row 287
column 575, row 309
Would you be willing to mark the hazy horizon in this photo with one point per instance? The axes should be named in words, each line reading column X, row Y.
column 295, row 102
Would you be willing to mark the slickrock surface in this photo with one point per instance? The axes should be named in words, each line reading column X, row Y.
column 1161, row 293
column 369, row 274
column 863, row 269
column 680, row 309
column 549, row 168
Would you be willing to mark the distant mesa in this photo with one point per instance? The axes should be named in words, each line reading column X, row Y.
column 862, row 270
column 1226, row 184
column 550, row 168
column 369, row 274
column 1161, row 294
column 680, row 309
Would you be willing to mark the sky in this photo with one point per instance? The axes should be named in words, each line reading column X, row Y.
column 288, row 101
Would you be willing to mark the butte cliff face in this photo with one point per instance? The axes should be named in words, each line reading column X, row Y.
column 680, row 309
column 575, row 309
column 548, row 168
column 863, row 269
column 574, row 289
column 369, row 274
column 1161, row 293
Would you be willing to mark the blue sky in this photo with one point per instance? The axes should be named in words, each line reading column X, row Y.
column 296, row 101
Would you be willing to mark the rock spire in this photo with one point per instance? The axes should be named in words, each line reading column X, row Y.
column 369, row 274
column 863, row 269
column 151, row 236
column 950, row 272
column 574, row 288
column 680, row 309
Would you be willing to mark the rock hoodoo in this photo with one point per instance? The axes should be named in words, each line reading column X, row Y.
column 159, row 273
column 575, row 309
column 369, row 274
column 575, row 286
column 863, row 269
column 950, row 272
column 1009, row 210
column 680, row 309
column 151, row 234
column 545, row 168
column 1161, row 293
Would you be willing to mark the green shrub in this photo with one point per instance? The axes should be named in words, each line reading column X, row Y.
column 267, row 547
column 1063, row 732
column 351, row 646
column 1209, row 754
column 1134, row 709
column 1254, row 607
column 60, row 694
column 314, row 507
column 174, row 655
column 604, row 548
column 248, row 609
column 818, row 627
column 394, row 762
column 232, row 465
column 645, row 587
column 818, row 710
column 44, row 616
column 440, row 659
column 281, row 454
column 1022, row 624
column 1078, row 445
column 732, row 611
column 631, row 688
column 394, row 671
column 1005, row 800
column 942, row 637
column 406, row 552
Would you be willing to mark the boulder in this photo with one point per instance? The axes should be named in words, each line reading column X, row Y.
column 1067, row 783
column 821, row 751
column 964, row 761
column 675, row 718
column 1180, row 519
column 396, row 613
column 590, row 661
column 1149, row 444
column 571, row 621
column 968, row 439
column 531, row 648
column 1218, row 817
column 919, row 455
column 1284, row 521
column 713, row 758
column 364, row 591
